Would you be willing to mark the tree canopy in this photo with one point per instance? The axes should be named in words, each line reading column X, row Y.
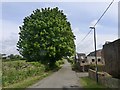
column 46, row 36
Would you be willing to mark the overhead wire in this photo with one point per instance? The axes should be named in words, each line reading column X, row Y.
column 89, row 39
column 88, row 44
column 98, row 20
column 86, row 35
column 104, row 13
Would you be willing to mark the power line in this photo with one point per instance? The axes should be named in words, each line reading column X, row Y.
column 104, row 13
column 86, row 35
column 88, row 44
column 98, row 20
column 89, row 38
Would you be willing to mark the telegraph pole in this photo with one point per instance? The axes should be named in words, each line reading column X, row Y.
column 95, row 53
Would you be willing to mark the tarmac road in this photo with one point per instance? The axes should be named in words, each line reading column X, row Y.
column 64, row 78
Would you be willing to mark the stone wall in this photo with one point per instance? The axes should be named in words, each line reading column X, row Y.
column 105, row 80
column 111, row 56
column 89, row 59
column 80, row 68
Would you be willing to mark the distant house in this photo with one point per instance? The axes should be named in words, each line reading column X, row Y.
column 82, row 59
column 81, row 62
column 4, row 56
column 91, row 57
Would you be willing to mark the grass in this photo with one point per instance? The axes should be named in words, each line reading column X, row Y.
column 90, row 84
column 21, row 74
column 0, row 79
column 27, row 82
column 100, row 67
column 16, row 71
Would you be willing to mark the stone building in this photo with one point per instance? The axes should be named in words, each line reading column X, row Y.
column 82, row 59
column 91, row 57
column 111, row 54
column 81, row 62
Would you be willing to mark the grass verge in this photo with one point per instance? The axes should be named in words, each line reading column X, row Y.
column 27, row 82
column 90, row 84
column 17, row 71
column 21, row 74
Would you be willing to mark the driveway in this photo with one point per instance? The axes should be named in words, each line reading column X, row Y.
column 63, row 78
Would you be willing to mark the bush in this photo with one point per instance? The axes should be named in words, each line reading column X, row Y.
column 74, row 67
column 15, row 71
column 100, row 67
column 59, row 63
column 57, row 66
column 70, row 60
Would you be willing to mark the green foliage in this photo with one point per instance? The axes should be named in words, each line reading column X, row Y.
column 14, row 57
column 46, row 36
column 90, row 84
column 59, row 63
column 70, row 60
column 0, row 78
column 74, row 66
column 27, row 82
column 16, row 71
column 100, row 67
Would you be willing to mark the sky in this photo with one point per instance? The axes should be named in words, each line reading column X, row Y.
column 81, row 15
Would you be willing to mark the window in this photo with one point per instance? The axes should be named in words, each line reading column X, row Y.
column 98, row 60
column 93, row 60
column 83, row 61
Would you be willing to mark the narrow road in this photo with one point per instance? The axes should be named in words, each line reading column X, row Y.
column 64, row 78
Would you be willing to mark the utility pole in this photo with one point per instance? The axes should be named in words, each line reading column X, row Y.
column 95, row 53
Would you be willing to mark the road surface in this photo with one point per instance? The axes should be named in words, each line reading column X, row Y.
column 63, row 78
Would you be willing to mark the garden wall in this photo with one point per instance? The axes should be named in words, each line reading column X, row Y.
column 111, row 54
column 105, row 80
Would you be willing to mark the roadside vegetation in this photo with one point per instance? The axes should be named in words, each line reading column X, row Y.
column 45, row 37
column 0, row 77
column 100, row 67
column 90, row 84
column 21, row 74
column 71, row 60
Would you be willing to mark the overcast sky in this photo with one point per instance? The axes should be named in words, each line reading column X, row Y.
column 81, row 15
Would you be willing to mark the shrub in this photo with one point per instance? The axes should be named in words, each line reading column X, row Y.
column 70, row 60
column 59, row 63
column 100, row 67
column 15, row 71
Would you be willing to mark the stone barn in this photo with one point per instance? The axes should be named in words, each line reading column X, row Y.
column 111, row 54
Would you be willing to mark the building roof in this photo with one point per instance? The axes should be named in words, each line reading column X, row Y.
column 93, row 53
column 81, row 54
